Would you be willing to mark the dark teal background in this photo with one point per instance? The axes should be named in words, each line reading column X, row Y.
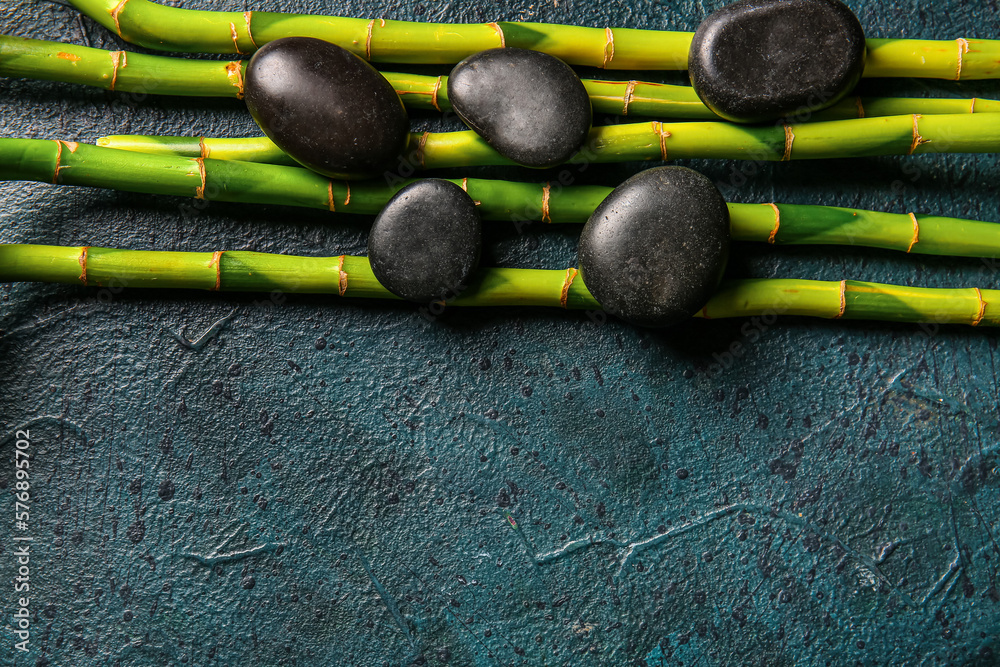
column 224, row 479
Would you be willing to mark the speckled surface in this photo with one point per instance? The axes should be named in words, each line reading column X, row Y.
column 315, row 482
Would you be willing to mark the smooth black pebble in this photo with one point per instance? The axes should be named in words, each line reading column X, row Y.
column 654, row 251
column 327, row 108
column 759, row 60
column 425, row 244
column 530, row 106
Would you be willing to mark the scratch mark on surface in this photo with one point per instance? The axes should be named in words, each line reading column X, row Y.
column 218, row 558
column 202, row 340
column 389, row 601
column 631, row 549
column 953, row 569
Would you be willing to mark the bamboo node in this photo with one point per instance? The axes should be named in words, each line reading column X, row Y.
column 217, row 263
column 663, row 135
column 347, row 199
column 916, row 232
column 234, row 72
column 789, row 140
column 499, row 31
column 434, row 94
column 972, row 108
column 963, row 48
column 917, row 139
column 420, row 148
column 342, row 276
column 777, row 223
column 119, row 59
column 72, row 146
column 704, row 312
column 465, row 184
column 861, row 107
column 329, row 196
column 114, row 15
column 203, row 148
column 982, row 308
column 627, row 99
column 83, row 263
column 199, row 192
column 567, row 281
column 246, row 19
column 368, row 37
column 236, row 37
column 843, row 300
column 546, row 193
column 609, row 47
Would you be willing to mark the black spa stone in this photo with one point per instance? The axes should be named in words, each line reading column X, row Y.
column 425, row 244
column 328, row 109
column 653, row 251
column 530, row 106
column 759, row 60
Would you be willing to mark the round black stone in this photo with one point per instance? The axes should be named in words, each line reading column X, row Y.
column 653, row 251
column 425, row 243
column 530, row 106
column 759, row 60
column 328, row 109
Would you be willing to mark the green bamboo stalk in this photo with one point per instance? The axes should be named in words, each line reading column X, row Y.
column 653, row 141
column 173, row 29
column 81, row 164
column 164, row 75
column 350, row 276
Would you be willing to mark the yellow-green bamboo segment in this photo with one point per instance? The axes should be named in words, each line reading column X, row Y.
column 70, row 163
column 350, row 276
column 128, row 72
column 156, row 26
column 652, row 141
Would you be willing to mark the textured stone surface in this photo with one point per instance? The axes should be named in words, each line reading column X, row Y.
column 426, row 242
column 653, row 252
column 758, row 60
column 326, row 107
column 859, row 459
column 530, row 106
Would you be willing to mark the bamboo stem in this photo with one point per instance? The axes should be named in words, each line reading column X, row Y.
column 654, row 141
column 80, row 164
column 164, row 75
column 350, row 276
column 173, row 29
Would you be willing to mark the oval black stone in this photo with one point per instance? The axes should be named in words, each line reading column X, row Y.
column 328, row 109
column 759, row 60
column 530, row 106
column 654, row 250
column 425, row 243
